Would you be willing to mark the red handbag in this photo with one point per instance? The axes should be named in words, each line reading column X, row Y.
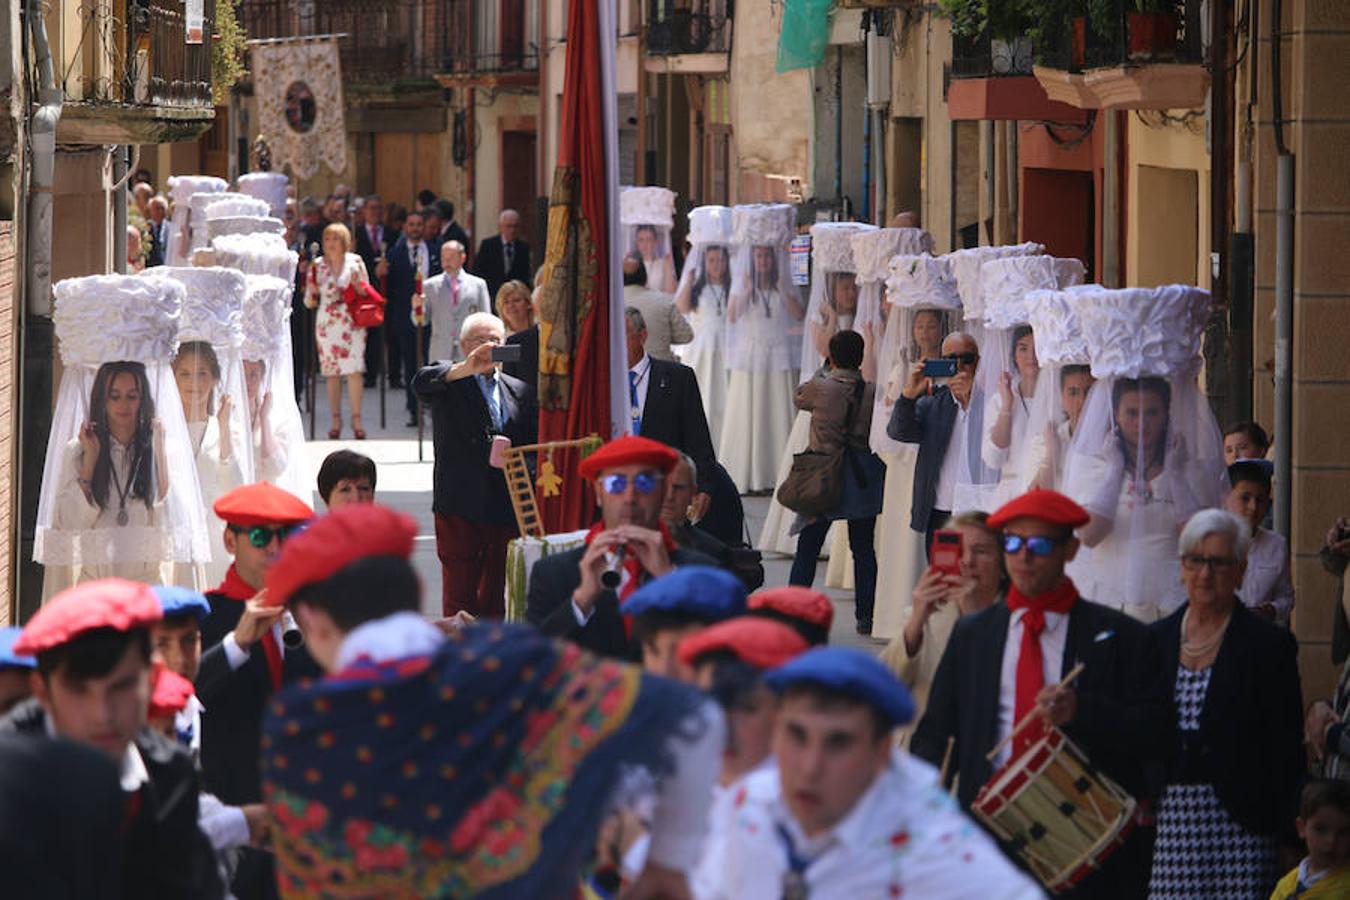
column 364, row 304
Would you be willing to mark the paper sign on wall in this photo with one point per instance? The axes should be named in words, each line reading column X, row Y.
column 195, row 20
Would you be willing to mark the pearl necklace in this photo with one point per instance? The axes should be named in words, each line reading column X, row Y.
column 1201, row 649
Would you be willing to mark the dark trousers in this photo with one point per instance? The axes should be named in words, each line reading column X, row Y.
column 395, row 323
column 937, row 519
column 374, row 355
column 302, row 342
column 860, row 540
column 473, row 566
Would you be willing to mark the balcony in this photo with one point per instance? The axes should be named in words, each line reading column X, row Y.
column 491, row 43
column 991, row 79
column 690, row 36
column 132, row 73
column 1126, row 59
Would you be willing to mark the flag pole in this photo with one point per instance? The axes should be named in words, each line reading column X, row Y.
column 619, row 418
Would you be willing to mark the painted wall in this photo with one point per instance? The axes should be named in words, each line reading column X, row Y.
column 507, row 111
column 1168, row 236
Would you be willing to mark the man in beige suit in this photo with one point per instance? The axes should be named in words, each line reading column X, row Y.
column 665, row 324
column 450, row 298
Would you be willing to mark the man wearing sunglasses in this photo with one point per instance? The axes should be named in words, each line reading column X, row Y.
column 576, row 595
column 1004, row 664
column 938, row 417
column 245, row 660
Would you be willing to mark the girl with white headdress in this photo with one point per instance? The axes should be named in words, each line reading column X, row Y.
column 209, row 373
column 119, row 490
column 761, row 312
column 1147, row 452
column 647, row 215
column 705, row 288
column 182, row 188
column 1067, row 375
column 832, row 308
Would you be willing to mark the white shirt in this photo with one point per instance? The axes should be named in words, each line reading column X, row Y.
column 1267, row 579
column 236, row 656
column 422, row 257
column 643, row 371
column 950, row 472
column 396, row 636
column 1054, row 635
column 904, row 837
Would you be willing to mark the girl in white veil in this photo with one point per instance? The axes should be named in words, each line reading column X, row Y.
column 119, row 490
column 278, row 434
column 763, row 308
column 647, row 215
column 1148, row 452
column 705, row 288
column 182, row 188
column 1067, row 375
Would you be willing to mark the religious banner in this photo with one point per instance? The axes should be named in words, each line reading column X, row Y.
column 583, row 386
column 298, row 84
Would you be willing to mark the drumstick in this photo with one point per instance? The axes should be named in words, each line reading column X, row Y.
column 946, row 760
column 1031, row 716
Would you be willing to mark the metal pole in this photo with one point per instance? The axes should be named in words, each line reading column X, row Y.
column 119, row 209
column 839, row 126
column 1110, row 204
column 866, row 212
column 1284, row 336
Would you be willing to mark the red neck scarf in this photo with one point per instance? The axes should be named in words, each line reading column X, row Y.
column 632, row 567
column 234, row 587
column 1030, row 659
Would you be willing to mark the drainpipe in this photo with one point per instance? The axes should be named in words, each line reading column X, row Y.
column 118, row 195
column 36, row 340
column 839, row 129
column 1284, row 291
column 1111, row 202
column 865, row 214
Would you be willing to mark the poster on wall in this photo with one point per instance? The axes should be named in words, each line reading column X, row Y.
column 298, row 86
column 195, row 19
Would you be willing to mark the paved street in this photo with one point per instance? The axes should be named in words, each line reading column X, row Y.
column 405, row 484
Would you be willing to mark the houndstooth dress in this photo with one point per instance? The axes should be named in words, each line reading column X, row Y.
column 1201, row 853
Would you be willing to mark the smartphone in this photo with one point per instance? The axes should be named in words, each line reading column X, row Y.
column 945, row 554
column 506, row 353
column 939, row 368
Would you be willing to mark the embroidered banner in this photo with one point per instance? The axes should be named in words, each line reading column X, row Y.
column 300, row 108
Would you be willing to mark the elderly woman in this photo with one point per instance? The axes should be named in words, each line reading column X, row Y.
column 939, row 599
column 1232, row 780
column 342, row 345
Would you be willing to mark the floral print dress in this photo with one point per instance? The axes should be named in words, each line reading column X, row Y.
column 342, row 346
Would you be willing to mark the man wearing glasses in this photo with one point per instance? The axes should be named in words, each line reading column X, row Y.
column 576, row 595
column 245, row 658
column 938, row 418
column 1004, row 664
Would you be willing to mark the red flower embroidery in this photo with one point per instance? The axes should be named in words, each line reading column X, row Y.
column 900, row 839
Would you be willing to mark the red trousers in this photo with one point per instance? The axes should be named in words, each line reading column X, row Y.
column 473, row 566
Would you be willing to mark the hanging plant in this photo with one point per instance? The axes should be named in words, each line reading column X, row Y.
column 228, row 46
column 1005, row 20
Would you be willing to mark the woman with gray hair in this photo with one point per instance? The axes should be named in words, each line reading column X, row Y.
column 1231, row 788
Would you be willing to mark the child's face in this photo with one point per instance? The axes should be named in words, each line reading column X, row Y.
column 1251, row 501
column 1327, row 834
column 1239, row 446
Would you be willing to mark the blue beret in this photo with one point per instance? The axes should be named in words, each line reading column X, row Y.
column 8, row 658
column 178, row 601
column 851, row 672
column 701, row 592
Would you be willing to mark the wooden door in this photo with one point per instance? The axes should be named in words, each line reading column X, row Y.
column 519, row 184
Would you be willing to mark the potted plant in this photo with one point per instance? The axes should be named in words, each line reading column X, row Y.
column 1152, row 27
column 1007, row 23
column 1059, row 32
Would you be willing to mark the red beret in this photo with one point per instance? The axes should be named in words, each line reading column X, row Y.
column 762, row 643
column 107, row 603
column 629, row 451
column 262, row 504
column 334, row 542
column 796, row 602
column 169, row 694
column 1048, row 506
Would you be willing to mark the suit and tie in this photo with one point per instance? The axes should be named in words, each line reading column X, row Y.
column 527, row 369
column 450, row 299
column 666, row 325
column 405, row 260
column 160, row 236
column 1123, row 720
column 372, row 244
column 474, row 516
column 497, row 263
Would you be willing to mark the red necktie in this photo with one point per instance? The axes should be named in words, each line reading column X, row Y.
column 236, row 588
column 1030, row 658
column 272, row 650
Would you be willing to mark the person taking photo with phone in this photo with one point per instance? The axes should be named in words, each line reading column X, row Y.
column 472, row 402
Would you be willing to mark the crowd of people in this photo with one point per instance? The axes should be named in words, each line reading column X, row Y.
column 1081, row 679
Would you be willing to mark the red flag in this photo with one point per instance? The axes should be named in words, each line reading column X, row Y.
column 582, row 372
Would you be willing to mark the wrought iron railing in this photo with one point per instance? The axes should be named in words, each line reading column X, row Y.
column 1122, row 36
column 688, row 26
column 492, row 36
column 979, row 56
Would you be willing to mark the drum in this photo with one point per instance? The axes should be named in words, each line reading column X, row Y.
column 1055, row 811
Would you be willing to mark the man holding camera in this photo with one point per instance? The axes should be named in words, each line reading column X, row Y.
column 250, row 653
column 576, row 595
column 472, row 402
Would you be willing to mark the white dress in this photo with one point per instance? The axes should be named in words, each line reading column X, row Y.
column 217, row 477
column 1011, row 461
column 760, row 393
column 704, row 354
column 900, row 551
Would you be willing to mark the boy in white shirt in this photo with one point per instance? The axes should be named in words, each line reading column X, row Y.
column 1267, row 587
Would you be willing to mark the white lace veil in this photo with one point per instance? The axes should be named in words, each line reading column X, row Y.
column 916, row 287
column 182, row 188
column 1065, row 382
column 1147, row 452
column 109, row 323
column 269, row 187
column 278, row 438
column 650, row 210
column 833, row 277
column 965, row 265
column 872, row 252
column 199, row 202
column 769, row 312
column 709, row 227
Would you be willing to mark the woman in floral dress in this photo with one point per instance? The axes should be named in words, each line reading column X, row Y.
column 342, row 345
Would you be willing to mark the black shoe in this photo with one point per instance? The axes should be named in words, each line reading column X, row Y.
column 412, row 422
column 368, row 382
column 865, row 629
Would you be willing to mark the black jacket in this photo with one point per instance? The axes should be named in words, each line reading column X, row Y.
column 928, row 422
column 1250, row 744
column 527, row 370
column 370, row 252
column 698, row 539
column 399, row 285
column 465, row 483
column 548, row 605
column 166, row 855
column 489, row 264
column 234, row 704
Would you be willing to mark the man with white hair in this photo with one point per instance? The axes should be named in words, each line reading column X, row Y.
column 504, row 256
column 159, row 230
column 471, row 402
column 450, row 298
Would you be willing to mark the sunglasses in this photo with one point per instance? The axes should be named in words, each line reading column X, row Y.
column 963, row 359
column 261, row 535
column 643, row 483
column 1038, row 545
